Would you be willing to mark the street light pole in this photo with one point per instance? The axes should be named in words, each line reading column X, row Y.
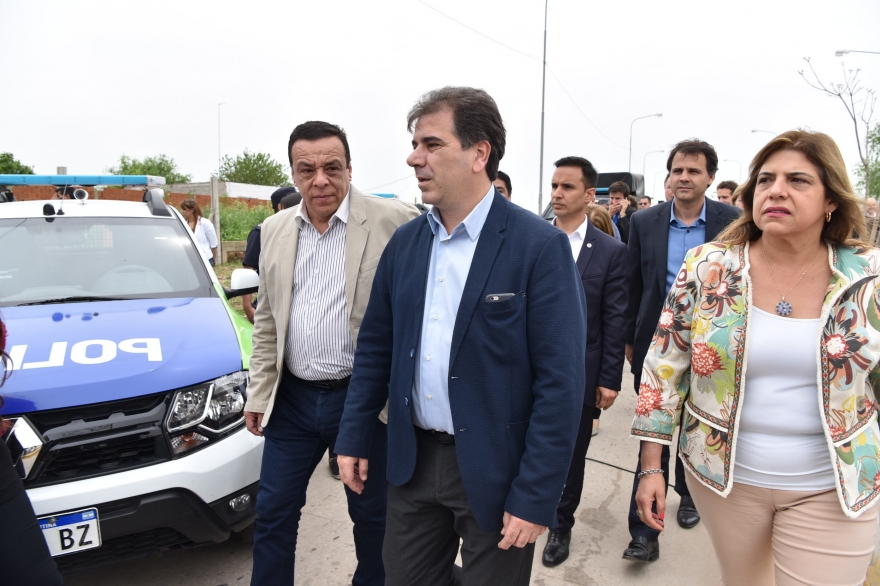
column 767, row 131
column 629, row 167
column 645, row 159
column 842, row 52
column 740, row 172
column 219, row 153
column 654, row 185
column 543, row 90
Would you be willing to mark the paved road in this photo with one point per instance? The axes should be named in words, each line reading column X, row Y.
column 326, row 553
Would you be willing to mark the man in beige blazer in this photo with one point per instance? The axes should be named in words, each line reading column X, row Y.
column 316, row 271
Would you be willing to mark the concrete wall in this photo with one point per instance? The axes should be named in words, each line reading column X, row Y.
column 227, row 189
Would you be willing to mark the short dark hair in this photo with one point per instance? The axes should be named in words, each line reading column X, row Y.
column 695, row 146
column 290, row 200
column 731, row 185
column 618, row 187
column 591, row 176
column 475, row 117
column 314, row 130
column 65, row 191
column 506, row 178
column 280, row 194
column 648, row 197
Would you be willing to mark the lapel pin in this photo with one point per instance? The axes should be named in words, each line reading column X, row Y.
column 589, row 245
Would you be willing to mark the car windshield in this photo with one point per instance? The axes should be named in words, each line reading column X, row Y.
column 84, row 259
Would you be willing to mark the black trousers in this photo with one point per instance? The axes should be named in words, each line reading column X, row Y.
column 574, row 483
column 636, row 527
column 24, row 555
column 427, row 519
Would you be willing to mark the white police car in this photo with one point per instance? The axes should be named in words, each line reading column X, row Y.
column 129, row 377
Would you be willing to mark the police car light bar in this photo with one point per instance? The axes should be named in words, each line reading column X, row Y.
column 88, row 180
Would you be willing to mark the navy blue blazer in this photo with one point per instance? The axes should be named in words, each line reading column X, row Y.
column 648, row 247
column 516, row 368
column 602, row 266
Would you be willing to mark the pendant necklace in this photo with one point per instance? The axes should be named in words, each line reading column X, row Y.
column 783, row 308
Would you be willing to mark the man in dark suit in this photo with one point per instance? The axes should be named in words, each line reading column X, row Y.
column 475, row 334
column 659, row 239
column 601, row 263
column 618, row 207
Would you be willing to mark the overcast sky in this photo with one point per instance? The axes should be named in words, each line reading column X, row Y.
column 84, row 82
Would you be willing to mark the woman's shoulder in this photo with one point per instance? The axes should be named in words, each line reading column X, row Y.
column 857, row 262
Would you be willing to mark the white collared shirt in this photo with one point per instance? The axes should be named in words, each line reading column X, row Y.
column 319, row 344
column 576, row 238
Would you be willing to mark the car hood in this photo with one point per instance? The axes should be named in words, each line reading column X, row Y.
column 83, row 353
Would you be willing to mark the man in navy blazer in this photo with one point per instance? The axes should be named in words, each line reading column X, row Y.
column 601, row 264
column 659, row 238
column 475, row 335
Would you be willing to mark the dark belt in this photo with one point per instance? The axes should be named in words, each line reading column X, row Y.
column 441, row 437
column 324, row 385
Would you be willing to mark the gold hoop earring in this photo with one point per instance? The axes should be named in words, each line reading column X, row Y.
column 827, row 217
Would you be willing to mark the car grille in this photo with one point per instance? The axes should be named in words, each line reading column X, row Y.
column 126, row 547
column 98, row 457
column 94, row 440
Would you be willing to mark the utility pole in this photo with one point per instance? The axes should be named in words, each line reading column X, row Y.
column 215, row 211
column 219, row 151
column 543, row 92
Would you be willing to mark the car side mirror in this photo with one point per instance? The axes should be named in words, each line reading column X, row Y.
column 243, row 282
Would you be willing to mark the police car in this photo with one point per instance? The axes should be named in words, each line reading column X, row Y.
column 129, row 376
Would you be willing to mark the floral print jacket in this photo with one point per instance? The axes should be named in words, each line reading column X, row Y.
column 696, row 365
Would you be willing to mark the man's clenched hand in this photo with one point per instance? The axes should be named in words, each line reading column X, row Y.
column 605, row 397
column 254, row 423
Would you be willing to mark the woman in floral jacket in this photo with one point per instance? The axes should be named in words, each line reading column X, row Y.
column 766, row 354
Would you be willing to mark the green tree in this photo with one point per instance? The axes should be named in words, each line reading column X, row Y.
column 9, row 166
column 161, row 166
column 255, row 169
column 873, row 165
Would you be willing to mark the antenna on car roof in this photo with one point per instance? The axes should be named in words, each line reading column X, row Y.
column 61, row 205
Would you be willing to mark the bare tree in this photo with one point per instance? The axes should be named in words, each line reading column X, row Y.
column 859, row 102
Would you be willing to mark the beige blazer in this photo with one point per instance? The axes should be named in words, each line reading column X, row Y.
column 371, row 222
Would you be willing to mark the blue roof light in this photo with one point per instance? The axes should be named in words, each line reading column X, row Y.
column 88, row 180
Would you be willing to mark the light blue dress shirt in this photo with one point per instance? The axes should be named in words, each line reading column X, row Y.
column 451, row 256
column 681, row 239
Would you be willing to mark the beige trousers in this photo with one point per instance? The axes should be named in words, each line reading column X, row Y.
column 765, row 537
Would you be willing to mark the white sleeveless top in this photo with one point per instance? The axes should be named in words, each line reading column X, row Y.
column 780, row 443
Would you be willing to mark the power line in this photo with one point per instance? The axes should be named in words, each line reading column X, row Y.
column 553, row 73
column 556, row 77
column 622, row 469
column 479, row 33
column 407, row 176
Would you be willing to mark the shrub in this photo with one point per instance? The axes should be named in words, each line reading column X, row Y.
column 236, row 219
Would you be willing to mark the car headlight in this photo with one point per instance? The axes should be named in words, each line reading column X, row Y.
column 216, row 406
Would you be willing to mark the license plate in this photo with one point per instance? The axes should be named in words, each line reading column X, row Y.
column 71, row 532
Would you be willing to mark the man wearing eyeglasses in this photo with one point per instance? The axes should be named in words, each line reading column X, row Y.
column 317, row 265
